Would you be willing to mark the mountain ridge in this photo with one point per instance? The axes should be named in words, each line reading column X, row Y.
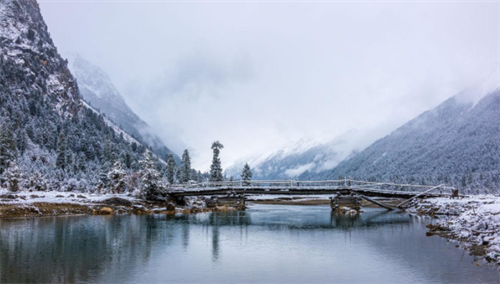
column 454, row 143
column 99, row 91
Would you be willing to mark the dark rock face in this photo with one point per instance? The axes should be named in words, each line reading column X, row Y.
column 25, row 41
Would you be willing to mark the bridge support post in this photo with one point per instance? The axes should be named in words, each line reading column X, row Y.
column 179, row 200
column 375, row 202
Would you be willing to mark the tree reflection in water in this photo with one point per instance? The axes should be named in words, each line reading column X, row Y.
column 236, row 245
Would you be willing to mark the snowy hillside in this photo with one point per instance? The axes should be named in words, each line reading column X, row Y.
column 26, row 44
column 49, row 139
column 458, row 143
column 304, row 156
column 97, row 89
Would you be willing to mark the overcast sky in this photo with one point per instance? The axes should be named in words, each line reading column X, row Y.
column 257, row 75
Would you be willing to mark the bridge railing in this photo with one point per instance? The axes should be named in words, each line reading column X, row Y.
column 319, row 184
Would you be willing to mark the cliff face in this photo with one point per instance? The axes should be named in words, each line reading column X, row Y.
column 50, row 139
column 26, row 43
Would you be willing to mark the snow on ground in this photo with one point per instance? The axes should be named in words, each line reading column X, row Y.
column 475, row 220
column 26, row 197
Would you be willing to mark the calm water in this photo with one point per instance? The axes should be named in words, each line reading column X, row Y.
column 266, row 244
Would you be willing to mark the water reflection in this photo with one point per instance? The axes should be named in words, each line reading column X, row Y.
column 72, row 249
column 263, row 244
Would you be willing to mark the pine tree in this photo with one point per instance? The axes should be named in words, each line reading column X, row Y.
column 116, row 177
column 69, row 159
column 38, row 182
column 103, row 175
column 185, row 167
column 7, row 147
column 246, row 174
column 82, row 158
column 127, row 160
column 170, row 171
column 152, row 186
column 216, row 168
column 194, row 175
column 61, row 152
column 13, row 176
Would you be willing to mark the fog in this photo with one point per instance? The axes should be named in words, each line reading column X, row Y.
column 257, row 75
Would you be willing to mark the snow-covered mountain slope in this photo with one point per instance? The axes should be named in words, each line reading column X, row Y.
column 295, row 159
column 48, row 138
column 119, row 131
column 458, row 143
column 97, row 89
column 25, row 42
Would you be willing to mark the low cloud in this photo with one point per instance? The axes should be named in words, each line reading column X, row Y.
column 256, row 75
column 299, row 170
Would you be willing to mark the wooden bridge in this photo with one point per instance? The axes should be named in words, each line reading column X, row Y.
column 363, row 189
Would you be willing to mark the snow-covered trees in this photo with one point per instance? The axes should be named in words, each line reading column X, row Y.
column 116, row 177
column 185, row 167
column 37, row 182
column 61, row 152
column 216, row 168
column 170, row 170
column 7, row 147
column 152, row 185
column 46, row 128
column 13, row 177
column 246, row 174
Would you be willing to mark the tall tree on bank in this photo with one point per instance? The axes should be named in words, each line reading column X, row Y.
column 216, row 168
column 116, row 177
column 14, row 176
column 246, row 174
column 186, row 167
column 152, row 186
column 170, row 171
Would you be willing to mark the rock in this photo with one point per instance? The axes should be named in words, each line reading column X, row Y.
column 106, row 211
column 221, row 209
column 71, row 195
column 81, row 196
column 59, row 196
column 34, row 196
column 140, row 211
column 170, row 207
column 118, row 201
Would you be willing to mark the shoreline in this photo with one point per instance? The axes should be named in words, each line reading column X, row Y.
column 46, row 204
column 473, row 222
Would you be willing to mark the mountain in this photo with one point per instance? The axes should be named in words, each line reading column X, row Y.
column 304, row 156
column 457, row 143
column 96, row 88
column 49, row 138
column 25, row 44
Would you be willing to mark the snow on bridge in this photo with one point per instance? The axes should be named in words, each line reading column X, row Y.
column 328, row 187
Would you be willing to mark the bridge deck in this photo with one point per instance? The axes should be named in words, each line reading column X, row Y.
column 302, row 190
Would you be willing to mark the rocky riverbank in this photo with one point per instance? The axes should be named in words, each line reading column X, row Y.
column 472, row 221
column 52, row 203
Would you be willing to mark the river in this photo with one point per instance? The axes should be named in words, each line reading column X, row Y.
column 264, row 244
